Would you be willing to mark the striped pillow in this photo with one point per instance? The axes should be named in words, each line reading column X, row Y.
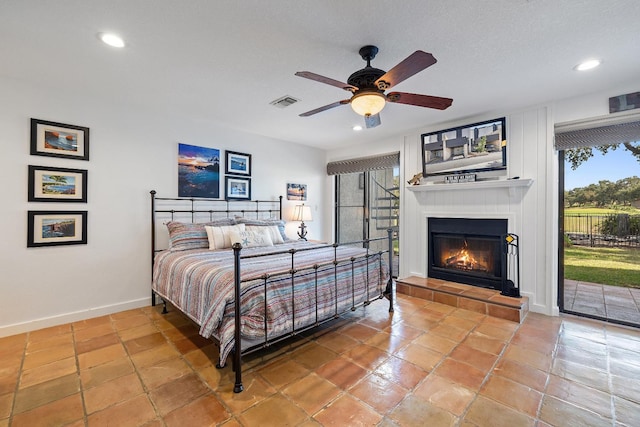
column 184, row 235
column 219, row 236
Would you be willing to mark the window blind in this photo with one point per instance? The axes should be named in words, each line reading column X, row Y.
column 611, row 129
column 363, row 164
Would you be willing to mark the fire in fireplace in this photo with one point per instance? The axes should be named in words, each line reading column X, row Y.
column 459, row 255
column 467, row 250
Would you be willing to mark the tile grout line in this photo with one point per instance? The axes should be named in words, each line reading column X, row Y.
column 554, row 354
column 490, row 371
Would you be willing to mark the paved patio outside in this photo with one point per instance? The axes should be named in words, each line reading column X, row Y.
column 609, row 302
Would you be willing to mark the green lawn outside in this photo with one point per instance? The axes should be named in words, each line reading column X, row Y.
column 607, row 266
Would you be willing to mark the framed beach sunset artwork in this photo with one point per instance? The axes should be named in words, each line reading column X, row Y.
column 198, row 171
column 296, row 191
column 49, row 184
column 54, row 228
column 59, row 140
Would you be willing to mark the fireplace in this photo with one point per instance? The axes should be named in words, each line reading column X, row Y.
column 467, row 250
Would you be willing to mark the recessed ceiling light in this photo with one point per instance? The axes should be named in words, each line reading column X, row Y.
column 111, row 39
column 357, row 127
column 587, row 65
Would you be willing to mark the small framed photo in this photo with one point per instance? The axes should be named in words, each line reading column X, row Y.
column 237, row 188
column 237, row 163
column 59, row 140
column 54, row 228
column 49, row 184
column 296, row 191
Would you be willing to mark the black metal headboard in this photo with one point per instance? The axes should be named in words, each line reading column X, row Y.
column 195, row 210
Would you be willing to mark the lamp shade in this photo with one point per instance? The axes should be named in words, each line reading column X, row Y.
column 368, row 103
column 302, row 213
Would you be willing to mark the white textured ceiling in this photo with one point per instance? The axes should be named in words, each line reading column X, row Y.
column 225, row 60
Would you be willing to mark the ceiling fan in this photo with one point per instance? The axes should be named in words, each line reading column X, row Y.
column 369, row 84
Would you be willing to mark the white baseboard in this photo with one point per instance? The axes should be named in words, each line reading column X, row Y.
column 47, row 322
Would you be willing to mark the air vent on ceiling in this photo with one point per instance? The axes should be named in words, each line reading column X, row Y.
column 284, row 101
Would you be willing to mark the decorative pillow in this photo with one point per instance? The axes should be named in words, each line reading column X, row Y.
column 185, row 235
column 252, row 239
column 264, row 222
column 274, row 233
column 220, row 237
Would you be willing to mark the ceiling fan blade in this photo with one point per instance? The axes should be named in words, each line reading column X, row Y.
column 326, row 80
column 371, row 121
column 420, row 100
column 326, row 107
column 411, row 65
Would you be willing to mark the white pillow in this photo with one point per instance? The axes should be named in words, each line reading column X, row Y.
column 220, row 237
column 251, row 239
column 274, row 232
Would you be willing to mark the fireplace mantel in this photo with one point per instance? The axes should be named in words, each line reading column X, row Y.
column 509, row 184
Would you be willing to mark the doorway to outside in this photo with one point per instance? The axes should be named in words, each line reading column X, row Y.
column 600, row 233
column 367, row 205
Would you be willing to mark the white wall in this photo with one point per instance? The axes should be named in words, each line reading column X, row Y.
column 131, row 152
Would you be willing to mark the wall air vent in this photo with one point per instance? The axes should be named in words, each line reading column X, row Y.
column 284, row 101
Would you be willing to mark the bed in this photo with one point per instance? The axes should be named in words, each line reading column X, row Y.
column 205, row 252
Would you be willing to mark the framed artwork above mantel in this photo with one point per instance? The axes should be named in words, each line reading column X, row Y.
column 477, row 148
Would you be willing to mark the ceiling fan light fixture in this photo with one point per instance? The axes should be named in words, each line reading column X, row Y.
column 368, row 103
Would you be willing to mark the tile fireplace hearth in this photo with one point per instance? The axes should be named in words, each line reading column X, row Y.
column 480, row 300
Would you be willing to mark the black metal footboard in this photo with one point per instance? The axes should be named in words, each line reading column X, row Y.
column 388, row 293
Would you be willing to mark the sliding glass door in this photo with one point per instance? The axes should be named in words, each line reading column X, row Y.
column 367, row 205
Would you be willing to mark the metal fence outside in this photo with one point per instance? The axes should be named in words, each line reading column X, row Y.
column 603, row 230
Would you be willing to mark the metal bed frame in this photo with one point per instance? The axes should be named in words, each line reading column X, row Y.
column 216, row 208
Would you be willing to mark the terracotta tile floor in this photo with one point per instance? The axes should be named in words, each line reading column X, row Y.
column 608, row 302
column 427, row 364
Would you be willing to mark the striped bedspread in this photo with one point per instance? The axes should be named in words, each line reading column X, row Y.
column 200, row 283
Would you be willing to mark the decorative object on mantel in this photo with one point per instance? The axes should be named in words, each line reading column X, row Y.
column 511, row 266
column 302, row 213
column 457, row 178
column 489, row 183
column 415, row 180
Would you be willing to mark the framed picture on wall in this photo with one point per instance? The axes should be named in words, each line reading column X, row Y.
column 296, row 191
column 54, row 228
column 237, row 188
column 198, row 171
column 237, row 163
column 59, row 140
column 49, row 184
